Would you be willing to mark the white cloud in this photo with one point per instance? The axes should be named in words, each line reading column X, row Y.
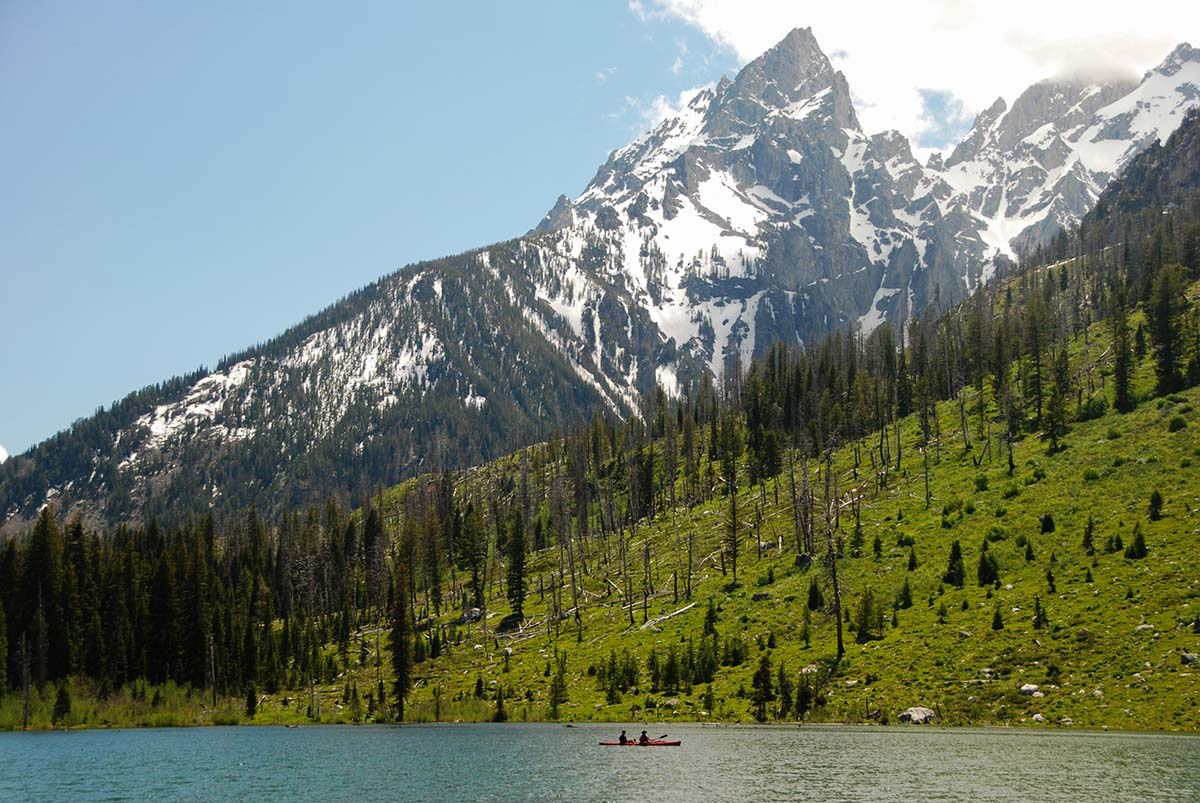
column 975, row 50
column 3, row 453
column 603, row 74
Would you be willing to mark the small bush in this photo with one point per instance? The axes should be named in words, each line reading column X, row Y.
column 1118, row 462
column 1047, row 522
column 1114, row 434
column 969, row 507
column 1156, row 503
column 1176, row 423
column 1000, row 511
column 981, row 483
column 1011, row 490
column 1136, row 550
column 1092, row 409
column 1090, row 475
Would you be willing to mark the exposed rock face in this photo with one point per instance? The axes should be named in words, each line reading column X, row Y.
column 1028, row 171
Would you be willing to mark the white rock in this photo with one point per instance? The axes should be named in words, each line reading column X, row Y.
column 917, row 715
column 1029, row 688
column 1038, row 718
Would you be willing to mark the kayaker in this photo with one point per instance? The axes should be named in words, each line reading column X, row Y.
column 623, row 739
column 643, row 739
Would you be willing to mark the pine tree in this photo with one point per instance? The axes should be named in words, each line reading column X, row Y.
column 763, row 692
column 1156, row 504
column 988, row 572
column 870, row 618
column 558, row 686
column 1137, row 549
column 62, row 705
column 1165, row 311
column 401, row 640
column 1056, row 408
column 955, row 571
column 783, row 683
column 1039, row 614
column 3, row 647
column 516, row 564
column 997, row 619
column 1122, row 356
column 1089, row 531
column 816, row 600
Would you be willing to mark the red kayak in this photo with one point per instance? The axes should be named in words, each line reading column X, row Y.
column 651, row 743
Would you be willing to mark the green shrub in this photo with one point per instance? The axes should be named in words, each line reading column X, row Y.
column 1176, row 423
column 1114, row 434
column 1090, row 475
column 1092, row 409
column 1011, row 490
column 981, row 483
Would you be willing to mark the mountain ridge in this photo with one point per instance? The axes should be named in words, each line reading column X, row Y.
column 761, row 213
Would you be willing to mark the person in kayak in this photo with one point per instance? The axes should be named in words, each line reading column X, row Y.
column 623, row 739
column 643, row 739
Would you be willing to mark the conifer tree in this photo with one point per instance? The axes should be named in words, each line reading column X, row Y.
column 1156, row 504
column 401, row 640
column 955, row 571
column 1137, row 549
column 62, row 704
column 783, row 683
column 763, row 692
column 3, row 649
column 816, row 600
column 1165, row 310
column 516, row 564
column 1122, row 356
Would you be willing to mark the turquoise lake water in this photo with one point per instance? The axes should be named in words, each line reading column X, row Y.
column 551, row 762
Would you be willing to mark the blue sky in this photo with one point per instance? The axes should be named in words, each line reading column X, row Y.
column 182, row 181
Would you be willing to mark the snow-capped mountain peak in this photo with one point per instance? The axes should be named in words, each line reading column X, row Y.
column 1027, row 171
column 760, row 212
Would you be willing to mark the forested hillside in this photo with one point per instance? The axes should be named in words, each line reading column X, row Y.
column 997, row 521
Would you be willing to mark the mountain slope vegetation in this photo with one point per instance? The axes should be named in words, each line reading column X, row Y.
column 997, row 522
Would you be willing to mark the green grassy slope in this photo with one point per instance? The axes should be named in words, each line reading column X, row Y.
column 1110, row 654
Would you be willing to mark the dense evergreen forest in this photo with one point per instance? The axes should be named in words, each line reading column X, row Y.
column 248, row 608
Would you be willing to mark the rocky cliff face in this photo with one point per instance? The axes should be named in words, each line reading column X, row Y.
column 762, row 212
column 1028, row 171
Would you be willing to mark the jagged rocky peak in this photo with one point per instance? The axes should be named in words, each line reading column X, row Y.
column 795, row 71
column 1065, row 103
column 977, row 137
column 1176, row 60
